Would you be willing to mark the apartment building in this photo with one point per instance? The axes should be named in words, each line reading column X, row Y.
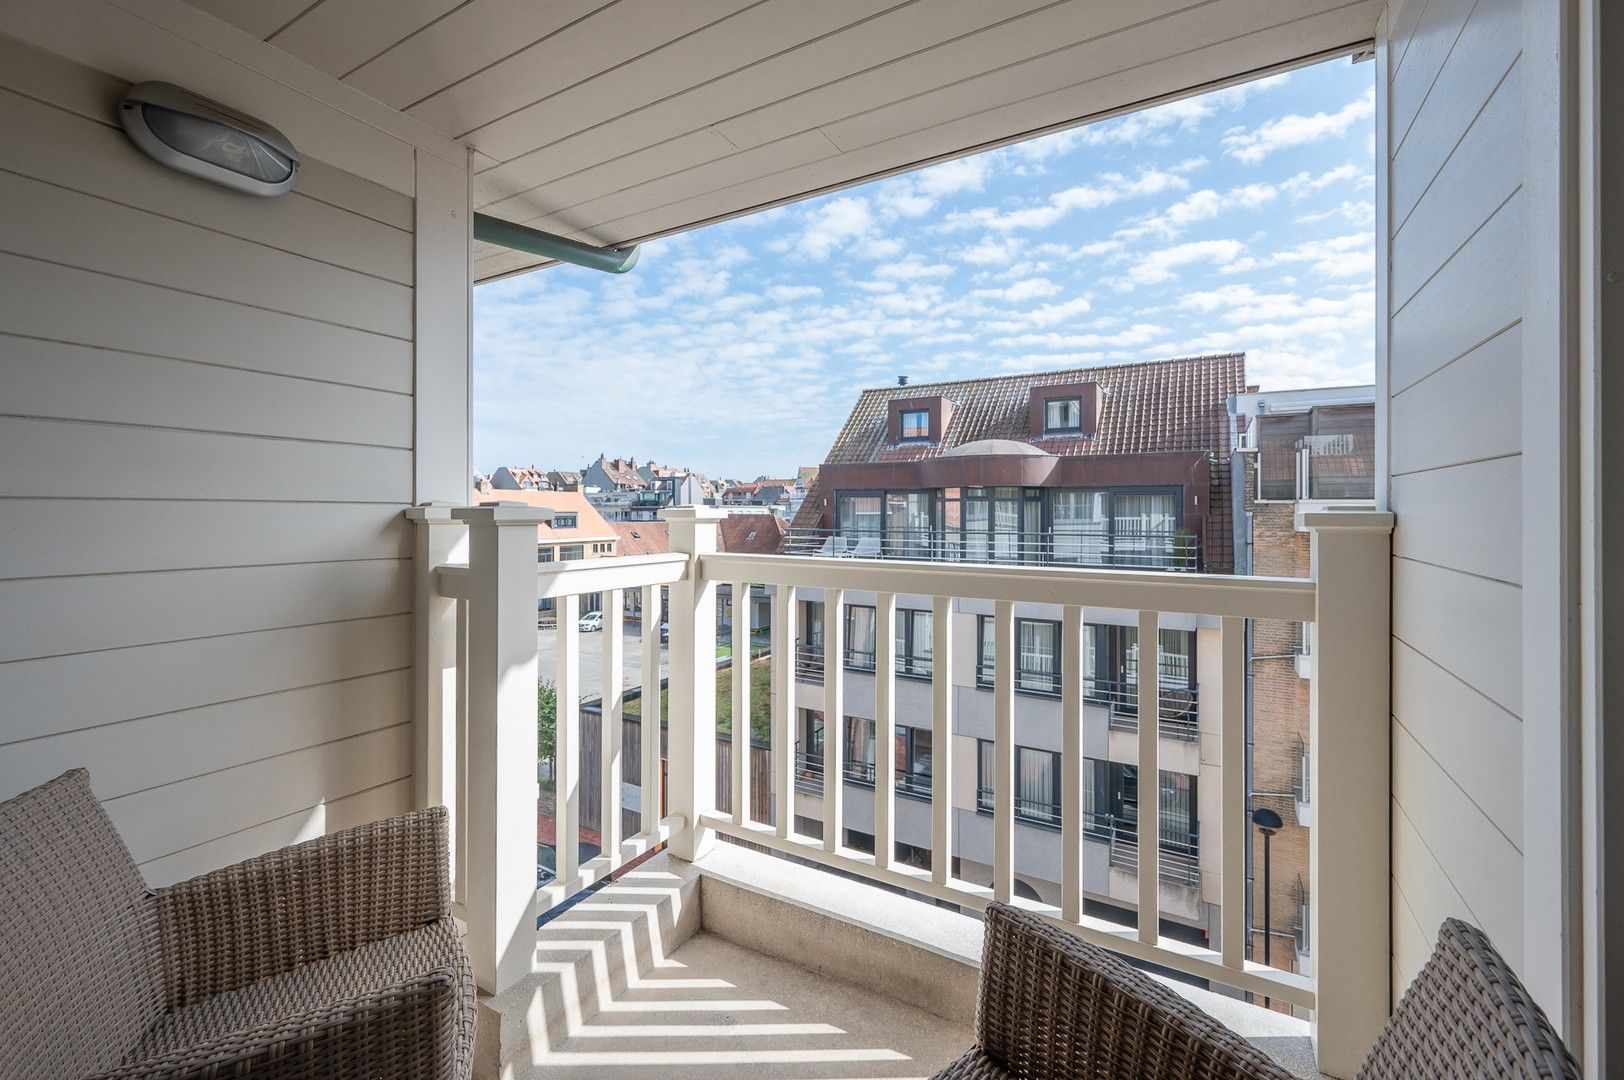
column 1115, row 466
column 1296, row 452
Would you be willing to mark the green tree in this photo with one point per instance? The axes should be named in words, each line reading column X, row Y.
column 546, row 720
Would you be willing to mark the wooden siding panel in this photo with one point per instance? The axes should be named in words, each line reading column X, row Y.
column 50, row 458
column 55, row 537
column 157, row 750
column 306, row 823
column 90, row 233
column 1470, row 626
column 1488, row 46
column 1453, row 722
column 1476, row 295
column 1428, row 47
column 1476, row 179
column 1462, row 517
column 64, row 304
column 1473, row 855
column 42, row 617
column 71, row 382
column 156, row 822
column 1467, row 410
column 66, row 693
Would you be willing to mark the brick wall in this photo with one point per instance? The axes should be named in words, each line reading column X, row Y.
column 1279, row 720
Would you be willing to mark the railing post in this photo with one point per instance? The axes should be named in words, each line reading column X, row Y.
column 691, row 726
column 439, row 540
column 501, row 753
column 1349, row 718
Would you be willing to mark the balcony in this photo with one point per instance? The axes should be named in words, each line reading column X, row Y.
column 479, row 632
column 1122, row 548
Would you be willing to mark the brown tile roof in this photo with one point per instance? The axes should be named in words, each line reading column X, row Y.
column 589, row 524
column 623, row 472
column 1159, row 405
column 751, row 534
column 643, row 537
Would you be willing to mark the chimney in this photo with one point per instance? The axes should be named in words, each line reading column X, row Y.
column 902, row 380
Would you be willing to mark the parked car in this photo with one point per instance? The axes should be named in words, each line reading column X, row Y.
column 665, row 633
column 592, row 620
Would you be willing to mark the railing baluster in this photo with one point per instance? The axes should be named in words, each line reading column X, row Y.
column 614, row 702
column 783, row 747
column 1071, row 661
column 459, row 817
column 741, row 702
column 1232, row 807
column 649, row 712
column 1003, row 783
column 941, row 740
column 567, row 755
column 1150, row 778
column 834, row 724
column 885, row 726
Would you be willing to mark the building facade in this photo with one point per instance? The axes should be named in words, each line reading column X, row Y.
column 1115, row 466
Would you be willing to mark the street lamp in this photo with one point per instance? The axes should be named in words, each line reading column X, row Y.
column 1269, row 822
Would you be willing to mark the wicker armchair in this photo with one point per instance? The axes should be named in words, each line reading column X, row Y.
column 335, row 958
column 1052, row 1005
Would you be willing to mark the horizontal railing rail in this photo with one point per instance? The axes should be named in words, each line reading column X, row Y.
column 1062, row 546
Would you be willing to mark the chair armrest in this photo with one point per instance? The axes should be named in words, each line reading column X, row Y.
column 1050, row 1004
column 242, row 923
column 418, row 1029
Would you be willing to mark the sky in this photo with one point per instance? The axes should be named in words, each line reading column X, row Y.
column 1241, row 220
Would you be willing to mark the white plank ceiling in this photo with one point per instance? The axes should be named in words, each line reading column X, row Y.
column 621, row 120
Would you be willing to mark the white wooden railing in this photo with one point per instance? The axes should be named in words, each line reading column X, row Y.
column 478, row 635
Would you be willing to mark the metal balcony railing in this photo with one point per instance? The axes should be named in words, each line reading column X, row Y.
column 809, row 775
column 1178, row 714
column 1177, row 863
column 1122, row 548
column 809, row 663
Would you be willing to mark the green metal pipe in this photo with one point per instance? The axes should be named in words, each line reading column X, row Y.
column 506, row 234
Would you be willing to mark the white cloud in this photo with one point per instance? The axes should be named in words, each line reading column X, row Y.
column 1162, row 265
column 1298, row 130
column 783, row 293
column 912, row 268
column 952, row 177
column 1107, row 189
column 990, row 251
column 834, row 225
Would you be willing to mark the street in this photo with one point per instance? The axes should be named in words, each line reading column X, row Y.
column 591, row 683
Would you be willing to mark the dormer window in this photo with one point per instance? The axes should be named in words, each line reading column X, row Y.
column 916, row 424
column 564, row 521
column 1062, row 415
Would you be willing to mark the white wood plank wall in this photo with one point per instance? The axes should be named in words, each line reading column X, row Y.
column 207, row 432
column 1455, row 204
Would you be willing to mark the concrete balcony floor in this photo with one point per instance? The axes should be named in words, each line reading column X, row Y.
column 743, row 965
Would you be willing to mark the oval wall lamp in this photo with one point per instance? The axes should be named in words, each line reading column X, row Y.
column 192, row 134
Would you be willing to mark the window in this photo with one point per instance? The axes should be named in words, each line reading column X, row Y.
column 915, row 642
column 544, row 554
column 569, row 552
column 915, row 424
column 564, row 521
column 809, row 657
column 913, row 762
column 858, row 748
column 1063, row 414
column 1111, row 655
column 1037, row 783
column 860, row 637
column 1037, row 655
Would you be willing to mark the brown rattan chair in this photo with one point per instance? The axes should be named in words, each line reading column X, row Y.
column 1052, row 1005
column 336, row 958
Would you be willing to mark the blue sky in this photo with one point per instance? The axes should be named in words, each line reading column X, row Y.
column 1239, row 220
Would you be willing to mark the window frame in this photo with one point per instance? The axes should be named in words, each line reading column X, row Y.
column 985, row 794
column 565, row 549
column 986, row 658
column 902, row 425
column 569, row 519
column 1062, row 429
